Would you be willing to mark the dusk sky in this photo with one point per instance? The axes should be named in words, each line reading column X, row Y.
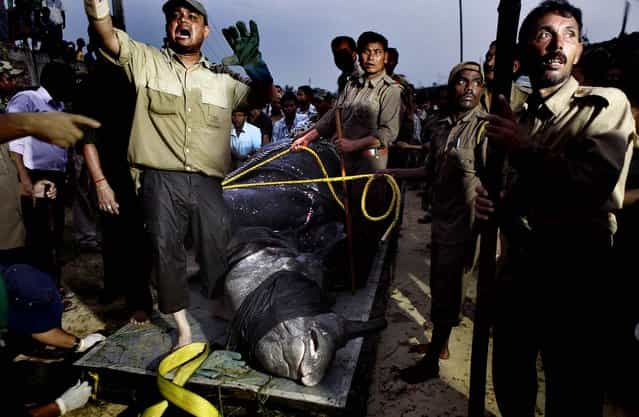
column 296, row 35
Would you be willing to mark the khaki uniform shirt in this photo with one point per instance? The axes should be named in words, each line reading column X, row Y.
column 458, row 151
column 182, row 116
column 518, row 96
column 573, row 172
column 369, row 108
column 12, row 232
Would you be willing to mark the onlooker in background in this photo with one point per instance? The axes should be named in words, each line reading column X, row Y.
column 245, row 138
column 345, row 57
column 305, row 107
column 125, row 253
column 518, row 94
column 7, row 83
column 91, row 56
column 259, row 119
column 392, row 62
column 37, row 160
column 276, row 109
column 58, row 18
column 79, row 51
column 268, row 109
column 284, row 129
column 325, row 103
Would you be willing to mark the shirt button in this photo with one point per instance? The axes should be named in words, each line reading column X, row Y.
column 188, row 129
column 187, row 150
column 188, row 168
column 189, row 110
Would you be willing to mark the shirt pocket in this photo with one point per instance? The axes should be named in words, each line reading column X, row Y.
column 164, row 98
column 466, row 160
column 217, row 109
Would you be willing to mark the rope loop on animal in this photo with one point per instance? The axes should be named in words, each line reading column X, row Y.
column 395, row 204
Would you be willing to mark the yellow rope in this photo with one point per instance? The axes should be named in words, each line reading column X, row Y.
column 186, row 360
column 395, row 200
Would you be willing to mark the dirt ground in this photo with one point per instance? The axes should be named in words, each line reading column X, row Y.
column 406, row 311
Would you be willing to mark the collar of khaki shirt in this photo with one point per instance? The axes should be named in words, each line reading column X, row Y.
column 363, row 80
column 172, row 55
column 465, row 119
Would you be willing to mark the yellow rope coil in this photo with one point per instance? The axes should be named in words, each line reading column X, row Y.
column 188, row 359
column 395, row 204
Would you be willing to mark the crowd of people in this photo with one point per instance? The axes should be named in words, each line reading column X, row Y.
column 151, row 171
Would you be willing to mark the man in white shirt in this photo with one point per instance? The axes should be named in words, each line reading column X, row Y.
column 292, row 123
column 305, row 105
column 37, row 160
column 245, row 138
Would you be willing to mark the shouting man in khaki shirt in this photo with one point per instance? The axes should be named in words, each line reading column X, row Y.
column 180, row 141
column 568, row 152
column 370, row 108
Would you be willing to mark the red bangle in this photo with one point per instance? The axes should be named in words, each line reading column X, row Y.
column 100, row 180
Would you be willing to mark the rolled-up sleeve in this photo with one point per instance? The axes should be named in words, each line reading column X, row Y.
column 20, row 103
column 389, row 115
column 133, row 58
column 326, row 125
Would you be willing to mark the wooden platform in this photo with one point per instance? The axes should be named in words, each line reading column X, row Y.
column 133, row 352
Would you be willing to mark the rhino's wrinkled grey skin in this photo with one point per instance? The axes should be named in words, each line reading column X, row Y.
column 302, row 349
column 288, row 228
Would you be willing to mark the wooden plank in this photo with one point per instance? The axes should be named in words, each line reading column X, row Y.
column 138, row 350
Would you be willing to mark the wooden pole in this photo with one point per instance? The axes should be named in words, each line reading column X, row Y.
column 118, row 14
column 348, row 220
column 625, row 19
column 508, row 22
column 461, row 31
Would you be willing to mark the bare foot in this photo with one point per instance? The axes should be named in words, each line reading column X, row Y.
column 139, row 317
column 183, row 340
column 183, row 329
column 423, row 348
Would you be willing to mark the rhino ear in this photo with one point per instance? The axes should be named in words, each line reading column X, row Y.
column 353, row 328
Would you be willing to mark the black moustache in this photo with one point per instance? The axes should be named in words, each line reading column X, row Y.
column 563, row 58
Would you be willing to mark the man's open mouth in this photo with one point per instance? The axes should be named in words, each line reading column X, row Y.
column 183, row 33
column 555, row 61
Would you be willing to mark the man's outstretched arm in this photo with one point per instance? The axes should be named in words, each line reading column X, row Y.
column 61, row 129
column 100, row 20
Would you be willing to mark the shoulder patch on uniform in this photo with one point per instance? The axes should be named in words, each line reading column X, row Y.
column 604, row 96
column 223, row 69
column 390, row 81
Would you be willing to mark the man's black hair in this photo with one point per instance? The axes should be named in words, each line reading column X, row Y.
column 288, row 96
column 56, row 74
column 338, row 40
column 371, row 37
column 560, row 7
column 307, row 90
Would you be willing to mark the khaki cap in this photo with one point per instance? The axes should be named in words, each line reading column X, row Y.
column 469, row 65
column 193, row 4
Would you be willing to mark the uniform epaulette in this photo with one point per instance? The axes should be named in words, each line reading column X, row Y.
column 602, row 96
column 389, row 80
column 223, row 69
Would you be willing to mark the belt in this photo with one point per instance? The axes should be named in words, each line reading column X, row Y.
column 374, row 152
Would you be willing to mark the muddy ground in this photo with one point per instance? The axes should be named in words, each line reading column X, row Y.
column 404, row 298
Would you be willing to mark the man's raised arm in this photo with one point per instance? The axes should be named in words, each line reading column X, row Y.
column 100, row 19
